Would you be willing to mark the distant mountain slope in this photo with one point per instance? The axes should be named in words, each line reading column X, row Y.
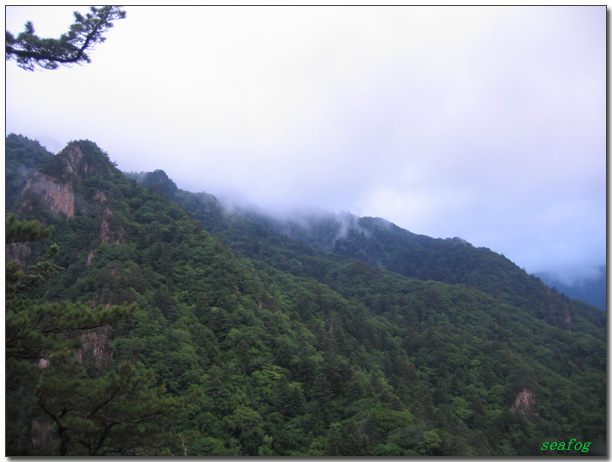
column 453, row 261
column 387, row 246
column 592, row 291
column 290, row 350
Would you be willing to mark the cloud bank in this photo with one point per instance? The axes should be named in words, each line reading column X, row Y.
column 481, row 122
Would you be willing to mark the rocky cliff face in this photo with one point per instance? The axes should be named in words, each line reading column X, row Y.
column 72, row 184
column 55, row 182
column 59, row 197
column 75, row 161
column 64, row 186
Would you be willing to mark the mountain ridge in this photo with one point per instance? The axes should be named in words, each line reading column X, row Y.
column 298, row 351
column 386, row 245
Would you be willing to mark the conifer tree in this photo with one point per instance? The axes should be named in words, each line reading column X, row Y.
column 30, row 50
column 35, row 331
column 50, row 385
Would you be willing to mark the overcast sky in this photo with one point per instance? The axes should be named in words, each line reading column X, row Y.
column 487, row 123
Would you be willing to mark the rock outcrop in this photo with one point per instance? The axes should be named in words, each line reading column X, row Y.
column 525, row 403
column 59, row 197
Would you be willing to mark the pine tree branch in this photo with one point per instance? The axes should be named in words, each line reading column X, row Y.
column 30, row 51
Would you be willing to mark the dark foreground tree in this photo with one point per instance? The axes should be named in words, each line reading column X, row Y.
column 30, row 50
column 35, row 331
column 119, row 413
column 60, row 400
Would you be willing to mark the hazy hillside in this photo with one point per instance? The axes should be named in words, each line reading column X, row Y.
column 589, row 290
column 238, row 338
column 380, row 243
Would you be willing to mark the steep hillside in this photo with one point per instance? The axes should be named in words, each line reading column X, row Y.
column 282, row 349
column 385, row 245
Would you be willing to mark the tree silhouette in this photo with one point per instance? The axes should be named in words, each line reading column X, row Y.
column 29, row 50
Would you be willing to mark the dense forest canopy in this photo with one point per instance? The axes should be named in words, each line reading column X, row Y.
column 211, row 334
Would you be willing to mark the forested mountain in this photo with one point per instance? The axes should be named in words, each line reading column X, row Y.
column 377, row 242
column 241, row 340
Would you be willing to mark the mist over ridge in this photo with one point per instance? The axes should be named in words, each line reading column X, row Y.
column 336, row 232
column 439, row 119
column 295, row 220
